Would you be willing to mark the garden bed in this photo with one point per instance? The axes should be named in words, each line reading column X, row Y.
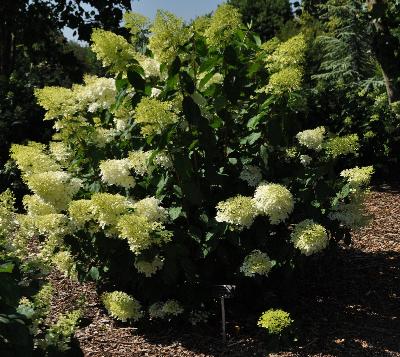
column 352, row 309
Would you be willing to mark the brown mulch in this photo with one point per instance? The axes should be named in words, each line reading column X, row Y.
column 353, row 309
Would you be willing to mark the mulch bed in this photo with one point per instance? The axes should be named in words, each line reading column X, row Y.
column 352, row 309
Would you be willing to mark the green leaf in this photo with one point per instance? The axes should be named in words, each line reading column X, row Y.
column 175, row 212
column 172, row 83
column 264, row 154
column 136, row 80
column 121, row 84
column 178, row 191
column 257, row 40
column 7, row 267
column 209, row 236
column 205, row 79
column 94, row 273
column 251, row 139
column 161, row 184
column 254, row 121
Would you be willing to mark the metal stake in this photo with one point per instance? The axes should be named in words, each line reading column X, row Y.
column 223, row 319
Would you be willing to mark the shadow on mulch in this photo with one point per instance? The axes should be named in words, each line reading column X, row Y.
column 350, row 310
column 348, row 306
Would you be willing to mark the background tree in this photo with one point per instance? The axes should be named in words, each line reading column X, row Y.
column 34, row 53
column 16, row 17
column 384, row 17
column 267, row 16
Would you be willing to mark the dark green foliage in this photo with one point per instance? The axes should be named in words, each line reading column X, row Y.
column 349, row 83
column 266, row 16
column 15, row 338
column 347, row 55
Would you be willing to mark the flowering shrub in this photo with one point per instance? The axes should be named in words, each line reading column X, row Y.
column 24, row 308
column 191, row 166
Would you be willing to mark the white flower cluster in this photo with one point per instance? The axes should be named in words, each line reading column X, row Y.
column 141, row 233
column 257, row 262
column 52, row 225
column 102, row 136
column 95, row 94
column 150, row 66
column 274, row 201
column 358, row 176
column 239, row 211
column 251, row 174
column 32, row 159
column 109, row 208
column 36, row 206
column 65, row 263
column 80, row 212
column 312, row 138
column 7, row 213
column 160, row 310
column 140, row 161
column 98, row 93
column 116, row 172
column 55, row 187
column 150, row 208
column 59, row 151
column 122, row 306
column 163, row 160
column 149, row 268
column 309, row 237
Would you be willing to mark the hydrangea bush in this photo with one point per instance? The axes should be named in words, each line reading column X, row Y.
column 191, row 165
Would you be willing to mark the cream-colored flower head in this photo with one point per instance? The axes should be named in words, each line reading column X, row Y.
column 168, row 33
column 275, row 321
column 113, row 50
column 80, row 212
column 122, row 306
column 358, row 176
column 57, row 188
column 238, row 211
column 154, row 116
column 309, row 237
column 109, row 208
column 223, row 25
column 149, row 268
column 141, row 233
column 312, row 138
column 256, row 262
column 274, row 201
column 117, row 172
column 342, row 145
column 150, row 208
column 162, row 310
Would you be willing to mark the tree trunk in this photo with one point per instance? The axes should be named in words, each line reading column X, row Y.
column 385, row 46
